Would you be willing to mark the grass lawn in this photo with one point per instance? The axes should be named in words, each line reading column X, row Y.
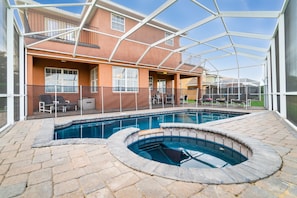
column 258, row 103
column 255, row 103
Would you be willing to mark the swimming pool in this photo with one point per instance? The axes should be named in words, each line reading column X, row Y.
column 104, row 128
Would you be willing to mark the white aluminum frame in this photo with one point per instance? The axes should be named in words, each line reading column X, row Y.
column 273, row 73
column 10, row 76
column 282, row 71
column 146, row 21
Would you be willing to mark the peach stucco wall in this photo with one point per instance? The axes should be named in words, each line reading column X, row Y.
column 102, row 43
column 128, row 50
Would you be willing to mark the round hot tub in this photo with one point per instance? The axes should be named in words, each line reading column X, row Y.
column 189, row 152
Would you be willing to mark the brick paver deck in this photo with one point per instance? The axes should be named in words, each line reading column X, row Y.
column 90, row 170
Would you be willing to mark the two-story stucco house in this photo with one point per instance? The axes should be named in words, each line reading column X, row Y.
column 107, row 49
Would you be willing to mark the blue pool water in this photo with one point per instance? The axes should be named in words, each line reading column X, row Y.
column 105, row 128
column 187, row 152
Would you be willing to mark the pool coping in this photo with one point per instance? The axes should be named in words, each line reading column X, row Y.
column 264, row 161
column 45, row 136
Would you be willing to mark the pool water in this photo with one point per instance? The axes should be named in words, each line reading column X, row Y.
column 105, row 128
column 187, row 152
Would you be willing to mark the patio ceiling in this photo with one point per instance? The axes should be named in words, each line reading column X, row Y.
column 221, row 36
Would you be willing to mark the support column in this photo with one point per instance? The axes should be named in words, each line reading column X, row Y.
column 282, row 67
column 99, row 100
column 177, row 88
column 199, row 86
column 30, row 84
column 105, row 84
column 104, row 73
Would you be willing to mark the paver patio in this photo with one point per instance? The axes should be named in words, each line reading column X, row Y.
column 89, row 170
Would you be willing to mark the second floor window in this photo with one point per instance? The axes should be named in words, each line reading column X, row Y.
column 169, row 41
column 117, row 23
column 56, row 27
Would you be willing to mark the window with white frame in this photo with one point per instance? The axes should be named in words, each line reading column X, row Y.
column 65, row 80
column 161, row 86
column 94, row 80
column 70, row 36
column 124, row 79
column 169, row 41
column 53, row 26
column 117, row 22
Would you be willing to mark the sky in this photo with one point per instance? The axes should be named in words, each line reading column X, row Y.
column 184, row 13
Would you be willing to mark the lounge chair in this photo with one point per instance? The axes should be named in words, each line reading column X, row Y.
column 221, row 100
column 206, row 99
column 245, row 102
column 46, row 103
column 66, row 104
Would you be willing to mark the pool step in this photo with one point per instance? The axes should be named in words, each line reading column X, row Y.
column 149, row 146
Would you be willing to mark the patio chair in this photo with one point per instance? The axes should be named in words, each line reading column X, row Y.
column 183, row 99
column 169, row 99
column 66, row 104
column 158, row 99
column 46, row 103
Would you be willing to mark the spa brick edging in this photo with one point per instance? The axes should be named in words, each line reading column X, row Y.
column 262, row 161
